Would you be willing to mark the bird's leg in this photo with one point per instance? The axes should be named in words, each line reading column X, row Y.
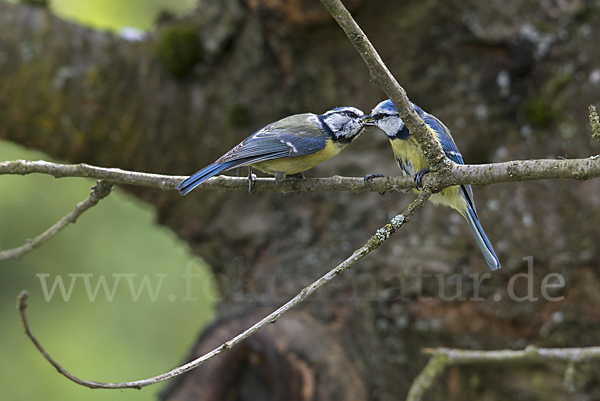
column 369, row 177
column 251, row 180
column 419, row 177
column 295, row 178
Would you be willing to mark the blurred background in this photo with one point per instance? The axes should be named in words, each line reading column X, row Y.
column 118, row 340
column 513, row 80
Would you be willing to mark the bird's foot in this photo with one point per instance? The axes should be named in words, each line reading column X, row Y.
column 295, row 178
column 370, row 177
column 251, row 180
column 419, row 177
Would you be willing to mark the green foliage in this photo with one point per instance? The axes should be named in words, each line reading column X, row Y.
column 179, row 49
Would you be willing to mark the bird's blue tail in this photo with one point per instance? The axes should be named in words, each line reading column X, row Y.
column 199, row 177
column 482, row 239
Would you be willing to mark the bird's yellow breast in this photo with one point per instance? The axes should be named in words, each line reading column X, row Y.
column 411, row 160
column 295, row 165
column 409, row 156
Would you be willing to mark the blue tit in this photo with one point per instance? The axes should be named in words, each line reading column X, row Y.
column 289, row 146
column 411, row 160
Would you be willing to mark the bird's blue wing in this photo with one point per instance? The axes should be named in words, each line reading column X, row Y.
column 449, row 148
column 270, row 144
column 482, row 240
column 452, row 152
column 187, row 185
column 446, row 140
column 302, row 145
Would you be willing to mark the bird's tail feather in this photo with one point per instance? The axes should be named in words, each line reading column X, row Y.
column 199, row 177
column 482, row 239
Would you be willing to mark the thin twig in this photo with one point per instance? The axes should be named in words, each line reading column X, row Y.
column 445, row 357
column 373, row 243
column 530, row 354
column 99, row 191
column 380, row 74
column 22, row 305
column 118, row 176
column 594, row 122
column 475, row 174
column 435, row 367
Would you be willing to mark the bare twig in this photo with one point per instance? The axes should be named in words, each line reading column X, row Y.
column 435, row 367
column 521, row 170
column 481, row 174
column 530, row 354
column 166, row 182
column 445, row 357
column 114, row 175
column 373, row 243
column 101, row 190
column 594, row 122
column 22, row 305
column 380, row 74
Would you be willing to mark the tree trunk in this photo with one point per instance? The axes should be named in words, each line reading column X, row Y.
column 511, row 81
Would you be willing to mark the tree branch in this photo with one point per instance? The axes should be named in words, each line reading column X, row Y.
column 594, row 122
column 22, row 305
column 166, row 182
column 372, row 244
column 99, row 191
column 380, row 74
column 445, row 357
column 475, row 174
column 519, row 170
column 435, row 367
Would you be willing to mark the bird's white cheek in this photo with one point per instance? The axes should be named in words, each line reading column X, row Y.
column 388, row 126
column 352, row 128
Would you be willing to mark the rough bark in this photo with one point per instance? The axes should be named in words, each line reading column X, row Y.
column 86, row 96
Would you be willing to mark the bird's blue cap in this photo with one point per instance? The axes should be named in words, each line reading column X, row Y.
column 388, row 105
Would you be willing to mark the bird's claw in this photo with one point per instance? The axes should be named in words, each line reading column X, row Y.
column 419, row 177
column 370, row 177
column 295, row 178
column 251, row 181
